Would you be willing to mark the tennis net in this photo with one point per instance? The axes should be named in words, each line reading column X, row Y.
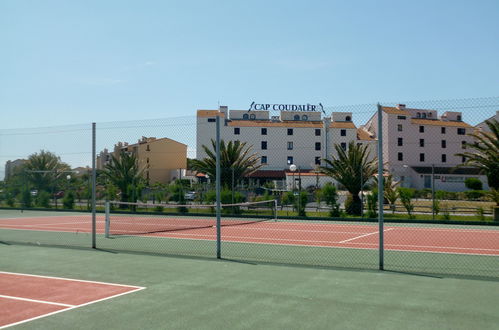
column 123, row 218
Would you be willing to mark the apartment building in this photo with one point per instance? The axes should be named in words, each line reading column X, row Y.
column 12, row 165
column 483, row 126
column 160, row 159
column 303, row 138
column 417, row 143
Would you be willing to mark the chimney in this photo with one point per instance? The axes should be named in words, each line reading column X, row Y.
column 401, row 106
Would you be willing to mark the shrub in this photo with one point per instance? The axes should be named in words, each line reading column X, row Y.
column 301, row 203
column 26, row 199
column 473, row 184
column 43, row 199
column 372, row 204
column 406, row 195
column 330, row 196
column 69, row 200
column 474, row 194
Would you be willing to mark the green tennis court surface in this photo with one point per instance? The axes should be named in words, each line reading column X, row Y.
column 208, row 294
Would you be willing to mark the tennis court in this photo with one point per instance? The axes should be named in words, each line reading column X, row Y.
column 480, row 241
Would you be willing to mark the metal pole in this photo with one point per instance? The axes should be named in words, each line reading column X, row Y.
column 380, row 188
column 299, row 191
column 217, row 185
column 361, row 194
column 94, row 227
column 433, row 191
column 107, row 222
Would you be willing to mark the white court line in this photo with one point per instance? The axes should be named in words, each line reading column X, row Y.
column 357, row 237
column 73, row 280
column 136, row 288
column 36, row 301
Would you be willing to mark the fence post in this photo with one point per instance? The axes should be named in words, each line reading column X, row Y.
column 107, row 221
column 94, row 245
column 217, row 187
column 380, row 188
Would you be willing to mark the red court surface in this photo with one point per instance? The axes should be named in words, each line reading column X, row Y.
column 476, row 241
column 26, row 297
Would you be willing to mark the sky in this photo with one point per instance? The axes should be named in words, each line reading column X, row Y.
column 77, row 62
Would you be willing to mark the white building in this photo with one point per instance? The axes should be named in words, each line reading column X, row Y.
column 483, row 126
column 302, row 138
column 417, row 140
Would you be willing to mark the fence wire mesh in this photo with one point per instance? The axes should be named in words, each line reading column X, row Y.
column 320, row 168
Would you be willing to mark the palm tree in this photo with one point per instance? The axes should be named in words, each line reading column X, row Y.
column 236, row 161
column 485, row 153
column 352, row 168
column 44, row 170
column 124, row 173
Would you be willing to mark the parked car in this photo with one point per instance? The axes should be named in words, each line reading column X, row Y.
column 190, row 196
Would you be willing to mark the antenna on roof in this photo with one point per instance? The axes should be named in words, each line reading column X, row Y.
column 322, row 108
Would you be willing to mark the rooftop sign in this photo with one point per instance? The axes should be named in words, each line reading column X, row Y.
column 286, row 107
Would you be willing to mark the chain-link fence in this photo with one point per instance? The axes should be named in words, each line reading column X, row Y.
column 298, row 184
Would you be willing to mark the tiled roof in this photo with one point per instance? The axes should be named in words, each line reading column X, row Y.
column 364, row 135
column 437, row 122
column 209, row 113
column 342, row 124
column 395, row 111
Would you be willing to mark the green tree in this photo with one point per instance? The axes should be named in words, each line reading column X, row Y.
column 45, row 171
column 390, row 192
column 484, row 153
column 330, row 196
column 406, row 195
column 236, row 161
column 124, row 173
column 351, row 168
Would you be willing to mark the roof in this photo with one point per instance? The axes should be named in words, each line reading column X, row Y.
column 446, row 170
column 267, row 174
column 362, row 134
column 395, row 111
column 342, row 124
column 268, row 123
column 437, row 122
column 210, row 113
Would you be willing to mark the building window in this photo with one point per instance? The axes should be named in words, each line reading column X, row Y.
column 400, row 156
column 264, row 145
column 463, row 159
column 290, row 145
column 211, row 120
column 296, row 117
column 343, row 132
column 290, row 131
column 264, row 131
column 317, row 160
column 421, row 129
column 463, row 144
column 317, row 146
column 459, row 118
column 252, row 116
column 148, row 148
column 264, row 160
column 245, row 116
column 399, row 127
column 343, row 146
column 421, row 142
column 304, row 117
column 237, row 130
column 421, row 157
column 317, row 132
column 444, row 144
column 401, row 117
column 444, row 158
column 442, row 130
column 348, row 118
column 147, row 160
column 461, row 131
column 290, row 160
column 400, row 141
column 418, row 115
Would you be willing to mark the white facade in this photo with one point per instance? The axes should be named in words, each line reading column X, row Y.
column 414, row 138
column 294, row 137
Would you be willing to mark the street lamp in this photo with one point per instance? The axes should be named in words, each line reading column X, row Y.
column 293, row 168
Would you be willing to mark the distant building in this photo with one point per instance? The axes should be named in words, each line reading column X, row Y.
column 303, row 138
column 417, row 140
column 483, row 126
column 159, row 159
column 11, row 166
